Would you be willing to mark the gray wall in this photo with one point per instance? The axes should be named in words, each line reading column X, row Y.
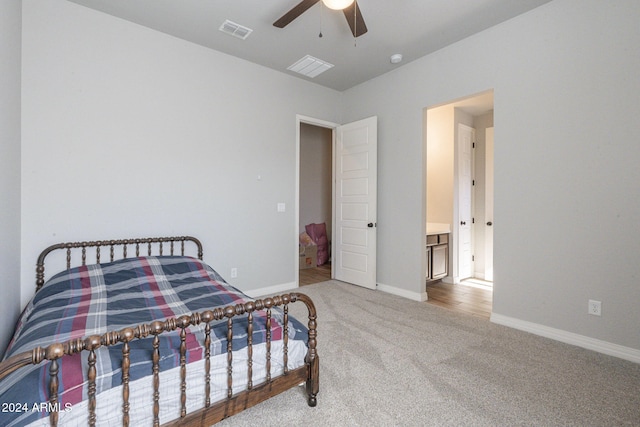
column 567, row 185
column 130, row 132
column 10, row 35
column 315, row 176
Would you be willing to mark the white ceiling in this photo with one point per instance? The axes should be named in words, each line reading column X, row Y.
column 413, row 28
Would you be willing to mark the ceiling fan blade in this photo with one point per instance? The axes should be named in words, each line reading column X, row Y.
column 298, row 10
column 357, row 25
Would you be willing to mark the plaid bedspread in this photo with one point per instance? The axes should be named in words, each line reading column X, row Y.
column 93, row 299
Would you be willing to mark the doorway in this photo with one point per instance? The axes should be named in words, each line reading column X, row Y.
column 315, row 198
column 459, row 184
column 352, row 234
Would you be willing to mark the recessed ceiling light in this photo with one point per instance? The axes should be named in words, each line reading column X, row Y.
column 310, row 66
column 396, row 58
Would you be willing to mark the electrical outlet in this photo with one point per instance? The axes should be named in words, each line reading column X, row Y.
column 595, row 308
column 234, row 273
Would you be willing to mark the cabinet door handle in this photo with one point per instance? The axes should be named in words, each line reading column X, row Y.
column 463, row 223
column 489, row 223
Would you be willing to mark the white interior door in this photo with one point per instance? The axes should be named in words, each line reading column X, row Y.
column 465, row 253
column 354, row 245
column 488, row 204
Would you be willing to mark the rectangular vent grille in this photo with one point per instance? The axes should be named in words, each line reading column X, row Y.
column 310, row 66
column 235, row 30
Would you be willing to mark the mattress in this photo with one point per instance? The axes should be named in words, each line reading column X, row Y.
column 92, row 299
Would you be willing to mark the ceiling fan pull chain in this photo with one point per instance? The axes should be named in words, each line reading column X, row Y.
column 355, row 24
column 321, row 12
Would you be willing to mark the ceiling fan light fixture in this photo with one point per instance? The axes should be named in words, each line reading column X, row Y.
column 337, row 4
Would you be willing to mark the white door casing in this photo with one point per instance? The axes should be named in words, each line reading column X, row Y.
column 488, row 231
column 354, row 245
column 465, row 177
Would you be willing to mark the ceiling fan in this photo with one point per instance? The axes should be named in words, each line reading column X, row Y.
column 349, row 8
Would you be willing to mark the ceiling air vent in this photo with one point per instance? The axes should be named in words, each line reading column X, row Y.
column 310, row 66
column 235, row 30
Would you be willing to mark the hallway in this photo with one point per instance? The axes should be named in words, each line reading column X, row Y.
column 309, row 276
column 469, row 297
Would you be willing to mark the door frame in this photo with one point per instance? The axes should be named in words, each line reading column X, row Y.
column 328, row 125
column 481, row 103
column 489, row 203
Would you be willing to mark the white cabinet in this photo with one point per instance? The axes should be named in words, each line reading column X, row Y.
column 437, row 256
column 428, row 262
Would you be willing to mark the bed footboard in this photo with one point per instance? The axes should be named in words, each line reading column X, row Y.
column 212, row 412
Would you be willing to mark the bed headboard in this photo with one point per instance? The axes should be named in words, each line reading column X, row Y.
column 151, row 243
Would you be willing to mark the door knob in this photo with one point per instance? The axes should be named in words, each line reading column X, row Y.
column 463, row 223
column 370, row 225
column 489, row 223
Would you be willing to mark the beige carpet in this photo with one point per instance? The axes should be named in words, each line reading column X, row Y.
column 389, row 361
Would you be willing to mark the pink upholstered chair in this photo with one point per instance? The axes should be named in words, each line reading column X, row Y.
column 318, row 233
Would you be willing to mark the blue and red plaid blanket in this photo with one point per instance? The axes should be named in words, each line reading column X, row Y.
column 94, row 299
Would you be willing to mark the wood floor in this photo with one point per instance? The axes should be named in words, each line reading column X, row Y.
column 465, row 298
column 309, row 276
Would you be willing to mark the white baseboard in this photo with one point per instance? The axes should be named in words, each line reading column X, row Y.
column 256, row 293
column 627, row 353
column 287, row 287
column 604, row 347
column 415, row 296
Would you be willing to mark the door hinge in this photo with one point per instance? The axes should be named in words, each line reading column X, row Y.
column 473, row 182
column 473, row 257
column 473, row 144
column 473, row 220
